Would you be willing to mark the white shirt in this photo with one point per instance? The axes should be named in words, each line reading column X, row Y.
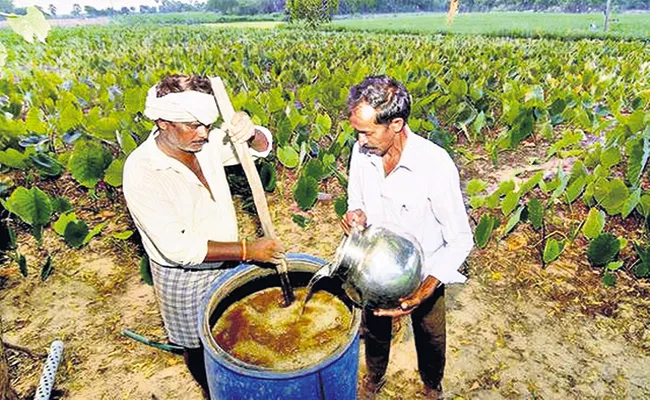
column 421, row 196
column 171, row 208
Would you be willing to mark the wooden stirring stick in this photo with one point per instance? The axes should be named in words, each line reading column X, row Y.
column 246, row 160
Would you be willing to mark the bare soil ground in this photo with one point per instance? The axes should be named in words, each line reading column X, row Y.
column 514, row 330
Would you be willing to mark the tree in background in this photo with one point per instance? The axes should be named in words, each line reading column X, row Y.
column 52, row 9
column 76, row 10
column 6, row 6
column 148, row 10
column 312, row 12
column 223, row 6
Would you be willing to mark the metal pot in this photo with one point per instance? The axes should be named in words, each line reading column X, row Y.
column 378, row 266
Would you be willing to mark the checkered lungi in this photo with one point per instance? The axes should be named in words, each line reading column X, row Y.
column 179, row 292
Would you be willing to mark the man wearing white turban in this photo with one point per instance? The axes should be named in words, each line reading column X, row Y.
column 178, row 196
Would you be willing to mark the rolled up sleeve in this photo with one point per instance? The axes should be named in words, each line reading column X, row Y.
column 227, row 149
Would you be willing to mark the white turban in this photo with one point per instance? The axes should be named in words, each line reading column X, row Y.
column 186, row 106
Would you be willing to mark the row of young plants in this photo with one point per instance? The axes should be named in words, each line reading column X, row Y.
column 74, row 106
column 607, row 175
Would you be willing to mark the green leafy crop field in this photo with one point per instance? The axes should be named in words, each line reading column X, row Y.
column 552, row 140
column 80, row 111
column 503, row 23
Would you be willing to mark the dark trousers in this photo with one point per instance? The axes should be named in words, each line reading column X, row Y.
column 195, row 362
column 429, row 329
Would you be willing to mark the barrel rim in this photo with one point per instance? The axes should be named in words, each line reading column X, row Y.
column 228, row 361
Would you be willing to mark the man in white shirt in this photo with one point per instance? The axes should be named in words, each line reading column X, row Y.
column 177, row 193
column 400, row 178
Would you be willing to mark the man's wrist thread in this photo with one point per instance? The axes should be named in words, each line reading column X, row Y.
column 244, row 256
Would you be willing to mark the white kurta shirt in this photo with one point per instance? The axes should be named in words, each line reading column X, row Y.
column 170, row 206
column 421, row 196
column 176, row 217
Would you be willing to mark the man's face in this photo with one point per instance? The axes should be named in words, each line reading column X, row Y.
column 373, row 137
column 186, row 136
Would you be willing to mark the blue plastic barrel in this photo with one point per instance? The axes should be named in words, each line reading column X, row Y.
column 333, row 378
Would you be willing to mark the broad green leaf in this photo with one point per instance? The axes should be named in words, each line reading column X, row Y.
column 575, row 189
column 569, row 139
column 509, row 203
column 96, row 230
column 536, row 212
column 635, row 121
column 594, row 224
column 531, row 183
column 477, row 202
column 122, row 235
column 535, row 97
column 268, row 177
column 578, row 171
column 61, row 223
column 458, row 87
column 323, row 125
column 276, row 102
column 88, row 163
column 611, row 195
column 13, row 158
column 552, row 184
column 642, row 270
column 638, row 150
column 644, row 205
column 134, row 99
column 475, row 186
column 288, row 156
column 631, row 202
column 514, row 220
column 552, row 250
column 614, row 265
column 300, row 220
column 284, row 132
column 479, row 122
column 341, row 205
column 70, row 117
column 314, row 168
column 145, row 270
column 256, row 110
column 294, row 117
column 108, row 129
column 126, row 142
column 31, row 26
column 114, row 173
column 46, row 164
column 47, row 269
column 33, row 122
column 305, row 192
column 60, row 204
column 610, row 157
column 484, row 230
column 31, row 205
column 75, row 233
column 505, row 187
column 609, row 279
column 603, row 249
column 564, row 180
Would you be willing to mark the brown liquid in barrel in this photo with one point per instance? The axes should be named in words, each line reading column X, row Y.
column 259, row 330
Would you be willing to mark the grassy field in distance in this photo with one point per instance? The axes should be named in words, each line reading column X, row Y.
column 625, row 25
